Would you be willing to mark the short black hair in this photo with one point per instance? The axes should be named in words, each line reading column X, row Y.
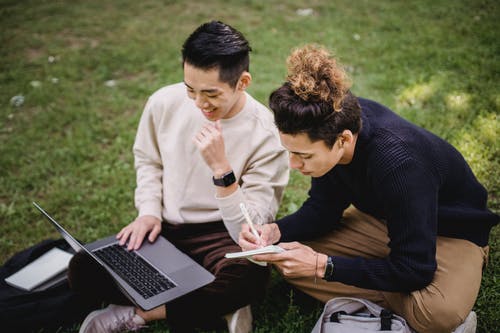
column 216, row 45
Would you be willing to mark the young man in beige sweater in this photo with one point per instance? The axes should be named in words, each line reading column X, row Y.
column 202, row 147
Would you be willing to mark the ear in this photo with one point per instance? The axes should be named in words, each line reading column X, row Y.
column 244, row 81
column 346, row 138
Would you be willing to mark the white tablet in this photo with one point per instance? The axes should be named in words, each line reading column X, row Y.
column 42, row 269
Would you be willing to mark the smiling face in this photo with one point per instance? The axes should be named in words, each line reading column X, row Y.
column 315, row 158
column 216, row 99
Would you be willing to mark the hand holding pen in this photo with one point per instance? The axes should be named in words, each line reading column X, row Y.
column 250, row 238
column 249, row 221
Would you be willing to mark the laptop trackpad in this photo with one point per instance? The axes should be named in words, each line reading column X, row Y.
column 164, row 255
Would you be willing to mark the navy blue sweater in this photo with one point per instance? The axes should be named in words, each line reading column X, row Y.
column 415, row 181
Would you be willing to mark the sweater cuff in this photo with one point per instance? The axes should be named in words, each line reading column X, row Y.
column 151, row 208
column 230, row 205
column 343, row 270
column 231, row 214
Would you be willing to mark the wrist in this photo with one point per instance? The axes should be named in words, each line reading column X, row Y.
column 276, row 233
column 225, row 180
column 320, row 269
column 220, row 170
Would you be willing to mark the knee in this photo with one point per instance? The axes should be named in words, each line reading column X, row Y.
column 436, row 316
column 77, row 267
column 84, row 274
column 244, row 279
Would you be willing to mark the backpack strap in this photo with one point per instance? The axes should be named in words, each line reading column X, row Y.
column 385, row 319
column 334, row 318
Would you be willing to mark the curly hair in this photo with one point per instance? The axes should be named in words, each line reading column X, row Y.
column 315, row 76
column 315, row 99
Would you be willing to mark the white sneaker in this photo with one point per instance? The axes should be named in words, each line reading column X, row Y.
column 112, row 319
column 469, row 324
column 240, row 321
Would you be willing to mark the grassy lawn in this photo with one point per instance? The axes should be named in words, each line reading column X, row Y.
column 82, row 71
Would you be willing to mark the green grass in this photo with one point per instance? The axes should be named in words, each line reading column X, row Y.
column 68, row 146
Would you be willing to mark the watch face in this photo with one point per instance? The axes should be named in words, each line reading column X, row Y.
column 226, row 180
column 229, row 179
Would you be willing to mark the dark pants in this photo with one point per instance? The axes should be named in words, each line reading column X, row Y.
column 238, row 282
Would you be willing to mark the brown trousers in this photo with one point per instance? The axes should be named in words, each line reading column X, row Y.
column 439, row 307
column 238, row 282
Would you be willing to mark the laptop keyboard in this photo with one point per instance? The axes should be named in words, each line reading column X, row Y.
column 136, row 271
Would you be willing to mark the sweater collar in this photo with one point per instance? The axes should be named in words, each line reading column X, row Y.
column 236, row 118
column 363, row 138
column 366, row 130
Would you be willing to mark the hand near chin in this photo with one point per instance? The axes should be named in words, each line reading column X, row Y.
column 210, row 143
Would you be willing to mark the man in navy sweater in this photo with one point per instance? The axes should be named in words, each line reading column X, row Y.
column 394, row 214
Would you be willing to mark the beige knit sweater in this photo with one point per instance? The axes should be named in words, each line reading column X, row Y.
column 175, row 184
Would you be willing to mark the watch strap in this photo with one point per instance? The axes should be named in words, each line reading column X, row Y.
column 226, row 180
column 329, row 269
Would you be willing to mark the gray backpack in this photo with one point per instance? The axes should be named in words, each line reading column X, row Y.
column 356, row 315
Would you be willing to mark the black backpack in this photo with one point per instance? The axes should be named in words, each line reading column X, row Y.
column 54, row 309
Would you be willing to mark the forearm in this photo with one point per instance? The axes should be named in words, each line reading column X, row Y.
column 380, row 274
column 149, row 167
column 148, row 193
column 260, row 189
column 149, row 175
column 233, row 218
column 306, row 224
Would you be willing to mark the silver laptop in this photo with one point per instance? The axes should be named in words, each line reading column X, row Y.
column 151, row 276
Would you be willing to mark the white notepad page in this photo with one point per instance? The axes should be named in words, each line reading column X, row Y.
column 41, row 269
column 249, row 253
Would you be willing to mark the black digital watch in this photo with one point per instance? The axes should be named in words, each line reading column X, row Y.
column 226, row 180
column 329, row 269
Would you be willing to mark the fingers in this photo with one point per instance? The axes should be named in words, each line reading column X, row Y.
column 257, row 240
column 136, row 231
column 210, row 143
column 297, row 260
column 264, row 238
column 272, row 258
column 154, row 233
column 136, row 239
column 124, row 234
column 250, row 241
column 290, row 246
column 209, row 133
column 121, row 234
column 269, row 233
column 218, row 126
column 247, row 239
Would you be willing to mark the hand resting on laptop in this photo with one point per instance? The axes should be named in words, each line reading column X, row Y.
column 137, row 230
